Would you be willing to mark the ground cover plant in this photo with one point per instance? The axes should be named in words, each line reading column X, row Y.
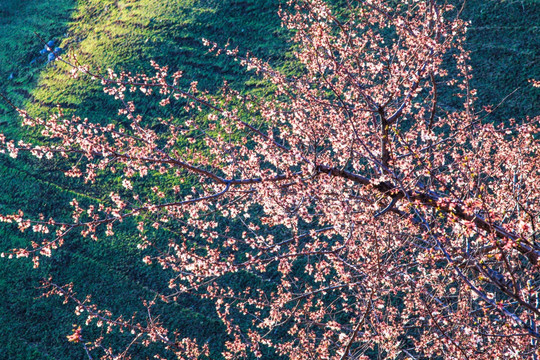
column 34, row 327
column 341, row 224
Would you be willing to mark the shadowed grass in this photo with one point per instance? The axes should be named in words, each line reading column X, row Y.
column 504, row 40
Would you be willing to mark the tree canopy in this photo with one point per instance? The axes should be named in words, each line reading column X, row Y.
column 347, row 213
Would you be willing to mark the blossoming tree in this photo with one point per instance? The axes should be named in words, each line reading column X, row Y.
column 381, row 221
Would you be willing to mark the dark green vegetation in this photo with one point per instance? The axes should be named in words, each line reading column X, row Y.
column 504, row 39
column 104, row 34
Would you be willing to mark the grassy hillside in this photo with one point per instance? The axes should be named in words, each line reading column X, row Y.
column 117, row 34
column 504, row 39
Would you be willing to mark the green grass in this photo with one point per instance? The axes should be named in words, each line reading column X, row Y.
column 126, row 35
column 503, row 38
column 20, row 21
